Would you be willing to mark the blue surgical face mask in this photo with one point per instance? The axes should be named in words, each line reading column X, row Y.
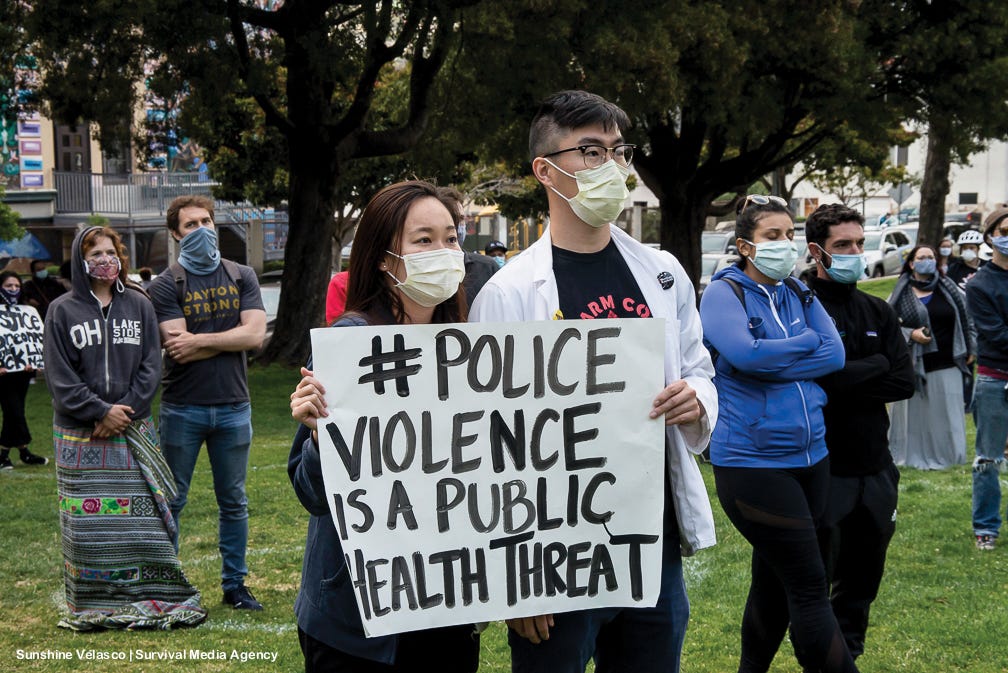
column 42, row 274
column 775, row 259
column 925, row 267
column 198, row 251
column 500, row 260
column 1000, row 243
column 845, row 268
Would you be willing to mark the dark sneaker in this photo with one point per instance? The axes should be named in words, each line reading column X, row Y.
column 985, row 542
column 5, row 464
column 29, row 458
column 240, row 598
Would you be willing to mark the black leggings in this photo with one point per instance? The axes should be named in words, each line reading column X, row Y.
column 13, row 391
column 777, row 511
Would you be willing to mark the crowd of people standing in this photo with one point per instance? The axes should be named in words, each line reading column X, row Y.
column 808, row 398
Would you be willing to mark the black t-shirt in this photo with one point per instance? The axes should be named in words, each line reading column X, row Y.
column 212, row 303
column 599, row 285
column 942, row 317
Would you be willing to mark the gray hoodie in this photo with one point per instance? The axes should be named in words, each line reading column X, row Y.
column 92, row 360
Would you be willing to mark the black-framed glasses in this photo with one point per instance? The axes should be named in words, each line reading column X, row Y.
column 761, row 200
column 596, row 155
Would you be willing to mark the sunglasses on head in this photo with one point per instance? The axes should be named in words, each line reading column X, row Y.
column 761, row 200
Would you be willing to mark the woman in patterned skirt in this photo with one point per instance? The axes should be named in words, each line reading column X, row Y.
column 103, row 362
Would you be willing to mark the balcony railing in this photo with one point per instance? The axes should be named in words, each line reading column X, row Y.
column 130, row 194
column 147, row 195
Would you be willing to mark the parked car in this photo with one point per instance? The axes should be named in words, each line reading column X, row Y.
column 721, row 242
column 805, row 267
column 885, row 251
column 711, row 263
column 270, row 291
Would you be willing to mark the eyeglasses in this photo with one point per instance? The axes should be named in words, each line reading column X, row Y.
column 596, row 155
column 761, row 200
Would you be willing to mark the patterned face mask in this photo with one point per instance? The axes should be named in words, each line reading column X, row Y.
column 103, row 268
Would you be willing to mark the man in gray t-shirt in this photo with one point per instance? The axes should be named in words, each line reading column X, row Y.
column 209, row 312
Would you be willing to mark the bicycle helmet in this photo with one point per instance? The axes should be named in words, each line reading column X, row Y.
column 970, row 237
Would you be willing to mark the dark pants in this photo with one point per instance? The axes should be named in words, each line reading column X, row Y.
column 454, row 649
column 778, row 512
column 13, row 390
column 859, row 523
column 637, row 640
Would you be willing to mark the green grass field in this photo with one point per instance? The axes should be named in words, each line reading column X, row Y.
column 943, row 605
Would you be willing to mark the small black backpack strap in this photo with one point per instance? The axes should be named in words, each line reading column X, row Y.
column 804, row 294
column 179, row 274
column 233, row 271
column 737, row 289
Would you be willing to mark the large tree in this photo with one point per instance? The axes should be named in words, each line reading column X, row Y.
column 721, row 93
column 749, row 87
column 306, row 71
column 946, row 67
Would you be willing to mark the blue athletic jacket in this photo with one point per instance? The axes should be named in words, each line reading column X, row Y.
column 767, row 353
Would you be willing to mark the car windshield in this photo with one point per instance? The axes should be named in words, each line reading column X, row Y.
column 707, row 265
column 714, row 241
column 871, row 241
column 270, row 299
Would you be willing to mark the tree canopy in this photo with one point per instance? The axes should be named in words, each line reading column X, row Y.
column 945, row 67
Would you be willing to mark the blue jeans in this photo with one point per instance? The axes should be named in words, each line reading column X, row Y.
column 642, row 640
column 227, row 431
column 990, row 403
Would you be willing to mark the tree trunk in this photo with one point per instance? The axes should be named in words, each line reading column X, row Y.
column 682, row 223
column 307, row 263
column 935, row 185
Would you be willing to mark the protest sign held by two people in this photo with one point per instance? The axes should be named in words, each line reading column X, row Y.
column 483, row 471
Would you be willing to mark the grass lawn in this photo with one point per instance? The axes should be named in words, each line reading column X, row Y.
column 943, row 605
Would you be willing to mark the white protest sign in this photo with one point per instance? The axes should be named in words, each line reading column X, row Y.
column 483, row 471
column 20, row 338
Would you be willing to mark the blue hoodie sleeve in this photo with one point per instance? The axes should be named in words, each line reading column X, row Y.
column 814, row 351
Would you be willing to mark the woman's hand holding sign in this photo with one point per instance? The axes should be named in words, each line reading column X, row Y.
column 308, row 402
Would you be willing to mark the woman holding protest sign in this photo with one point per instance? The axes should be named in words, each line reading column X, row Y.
column 771, row 338
column 407, row 268
column 14, row 383
column 103, row 367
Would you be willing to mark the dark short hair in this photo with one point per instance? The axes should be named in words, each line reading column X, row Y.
column 817, row 226
column 378, row 231
column 565, row 111
column 187, row 201
column 145, row 272
column 4, row 275
column 38, row 261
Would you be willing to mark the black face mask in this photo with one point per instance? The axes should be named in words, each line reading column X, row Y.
column 10, row 297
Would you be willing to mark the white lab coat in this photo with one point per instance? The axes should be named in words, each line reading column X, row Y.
column 525, row 289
